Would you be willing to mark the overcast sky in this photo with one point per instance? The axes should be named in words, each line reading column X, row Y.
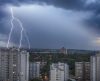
column 71, row 24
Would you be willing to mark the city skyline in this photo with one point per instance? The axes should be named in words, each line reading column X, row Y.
column 49, row 65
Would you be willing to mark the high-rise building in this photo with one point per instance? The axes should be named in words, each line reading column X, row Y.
column 95, row 67
column 14, row 65
column 34, row 70
column 59, row 72
column 82, row 71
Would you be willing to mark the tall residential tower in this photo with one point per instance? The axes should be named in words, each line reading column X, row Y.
column 82, row 71
column 95, row 67
column 14, row 65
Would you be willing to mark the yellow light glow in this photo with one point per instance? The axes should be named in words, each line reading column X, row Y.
column 97, row 41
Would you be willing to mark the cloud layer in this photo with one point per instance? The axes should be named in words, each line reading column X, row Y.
column 80, row 5
column 53, row 23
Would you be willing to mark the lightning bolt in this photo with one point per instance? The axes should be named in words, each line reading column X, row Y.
column 21, row 35
column 12, row 27
column 22, row 30
column 27, row 38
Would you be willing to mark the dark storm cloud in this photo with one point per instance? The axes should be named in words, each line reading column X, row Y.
column 70, row 4
column 67, row 4
column 74, row 5
column 2, row 12
column 94, row 20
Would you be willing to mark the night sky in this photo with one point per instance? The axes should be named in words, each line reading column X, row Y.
column 73, row 24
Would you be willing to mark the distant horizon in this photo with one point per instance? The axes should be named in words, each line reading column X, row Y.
column 52, row 48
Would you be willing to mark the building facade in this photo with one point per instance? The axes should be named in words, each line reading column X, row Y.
column 14, row 65
column 59, row 72
column 82, row 71
column 34, row 70
column 95, row 67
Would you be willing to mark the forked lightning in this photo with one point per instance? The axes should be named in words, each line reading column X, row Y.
column 21, row 33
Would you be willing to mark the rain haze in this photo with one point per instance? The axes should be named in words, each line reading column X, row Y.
column 73, row 24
